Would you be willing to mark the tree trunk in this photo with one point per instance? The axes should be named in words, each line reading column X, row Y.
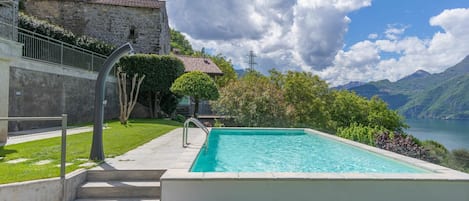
column 150, row 105
column 196, row 107
column 126, row 102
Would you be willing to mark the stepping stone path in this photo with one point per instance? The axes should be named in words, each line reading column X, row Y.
column 89, row 164
column 66, row 164
column 19, row 160
column 43, row 162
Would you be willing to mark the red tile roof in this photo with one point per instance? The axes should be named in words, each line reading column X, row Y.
column 131, row 3
column 205, row 65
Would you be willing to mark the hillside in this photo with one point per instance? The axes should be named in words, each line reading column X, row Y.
column 425, row 95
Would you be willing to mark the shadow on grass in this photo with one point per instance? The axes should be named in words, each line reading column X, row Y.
column 4, row 152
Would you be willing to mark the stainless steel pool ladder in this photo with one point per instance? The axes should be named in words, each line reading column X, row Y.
column 186, row 130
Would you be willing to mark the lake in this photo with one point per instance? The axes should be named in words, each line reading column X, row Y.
column 453, row 134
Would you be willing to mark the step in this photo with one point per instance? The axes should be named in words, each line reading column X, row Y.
column 124, row 175
column 118, row 199
column 120, row 189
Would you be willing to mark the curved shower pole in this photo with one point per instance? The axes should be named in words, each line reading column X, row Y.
column 97, row 152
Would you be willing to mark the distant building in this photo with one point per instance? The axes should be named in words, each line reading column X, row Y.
column 144, row 23
column 202, row 64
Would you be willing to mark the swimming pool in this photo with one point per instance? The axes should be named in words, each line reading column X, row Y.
column 218, row 181
column 289, row 150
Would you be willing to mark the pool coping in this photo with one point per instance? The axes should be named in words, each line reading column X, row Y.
column 436, row 172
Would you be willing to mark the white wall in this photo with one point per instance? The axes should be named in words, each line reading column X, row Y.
column 316, row 189
column 9, row 51
column 43, row 190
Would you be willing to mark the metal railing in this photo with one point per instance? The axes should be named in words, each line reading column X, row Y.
column 63, row 147
column 44, row 48
column 186, row 130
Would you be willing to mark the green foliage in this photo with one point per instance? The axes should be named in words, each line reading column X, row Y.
column 360, row 133
column 180, row 42
column 45, row 28
column 218, row 123
column 160, row 72
column 308, row 99
column 180, row 118
column 253, row 101
column 226, row 67
column 305, row 100
column 459, row 159
column 437, row 152
column 348, row 107
column 196, row 84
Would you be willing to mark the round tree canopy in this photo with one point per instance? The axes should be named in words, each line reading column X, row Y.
column 196, row 84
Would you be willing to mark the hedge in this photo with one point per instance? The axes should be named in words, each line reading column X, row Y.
column 56, row 32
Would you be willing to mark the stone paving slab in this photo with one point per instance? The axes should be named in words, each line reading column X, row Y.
column 43, row 134
column 165, row 152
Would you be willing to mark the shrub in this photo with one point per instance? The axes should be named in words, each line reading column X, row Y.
column 459, row 159
column 56, row 32
column 160, row 72
column 359, row 133
column 437, row 152
column 180, row 118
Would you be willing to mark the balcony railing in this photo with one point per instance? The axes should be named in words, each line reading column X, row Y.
column 44, row 48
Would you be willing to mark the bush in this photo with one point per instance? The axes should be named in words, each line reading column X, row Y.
column 180, row 118
column 359, row 133
column 160, row 72
column 56, row 32
column 459, row 159
column 437, row 152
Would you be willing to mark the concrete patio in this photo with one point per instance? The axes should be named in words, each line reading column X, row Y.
column 165, row 152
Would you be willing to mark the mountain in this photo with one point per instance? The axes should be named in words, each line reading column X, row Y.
column 425, row 95
column 240, row 72
column 350, row 85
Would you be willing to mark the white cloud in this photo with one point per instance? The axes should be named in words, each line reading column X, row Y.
column 309, row 35
column 443, row 50
column 293, row 34
column 394, row 31
column 373, row 36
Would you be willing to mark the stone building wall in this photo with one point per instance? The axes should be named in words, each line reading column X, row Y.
column 9, row 15
column 146, row 28
column 41, row 93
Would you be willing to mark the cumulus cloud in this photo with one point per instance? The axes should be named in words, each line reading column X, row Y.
column 362, row 61
column 309, row 35
column 292, row 34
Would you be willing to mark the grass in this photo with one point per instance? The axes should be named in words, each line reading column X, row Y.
column 117, row 140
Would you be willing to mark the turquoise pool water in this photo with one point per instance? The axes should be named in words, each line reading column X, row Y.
column 272, row 150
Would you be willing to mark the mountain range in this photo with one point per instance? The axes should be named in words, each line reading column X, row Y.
column 442, row 95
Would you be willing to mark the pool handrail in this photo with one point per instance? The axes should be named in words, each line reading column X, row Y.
column 186, row 129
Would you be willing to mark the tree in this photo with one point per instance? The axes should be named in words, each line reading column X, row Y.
column 308, row 98
column 180, row 42
column 160, row 71
column 197, row 85
column 253, row 101
column 226, row 67
column 127, row 101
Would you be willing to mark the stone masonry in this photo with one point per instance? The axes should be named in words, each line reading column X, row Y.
column 144, row 24
column 8, row 15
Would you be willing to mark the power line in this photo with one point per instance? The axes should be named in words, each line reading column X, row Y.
column 251, row 60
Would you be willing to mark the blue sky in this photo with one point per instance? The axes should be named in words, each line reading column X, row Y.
column 339, row 40
column 412, row 13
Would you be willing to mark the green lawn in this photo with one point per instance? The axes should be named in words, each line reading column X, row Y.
column 117, row 140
